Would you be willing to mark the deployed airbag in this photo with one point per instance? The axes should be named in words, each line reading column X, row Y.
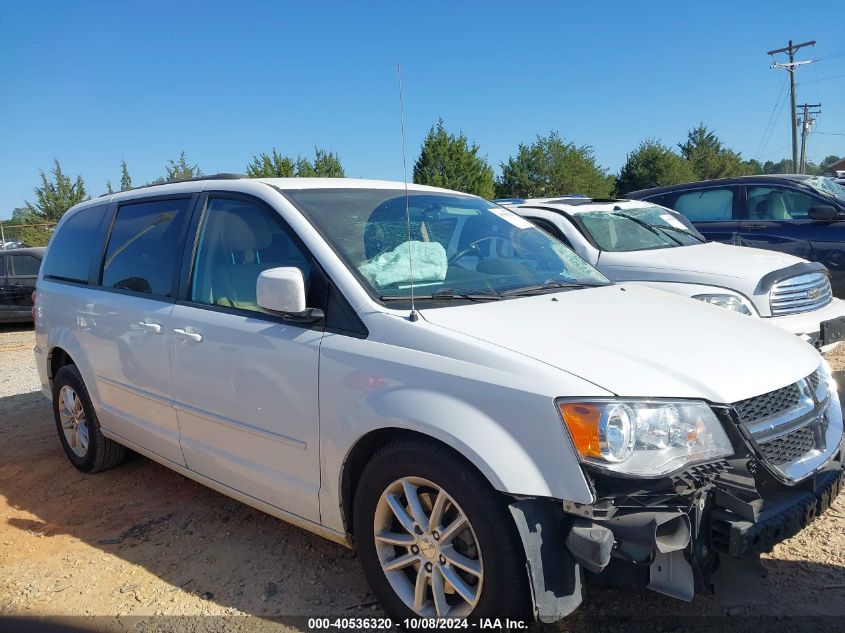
column 393, row 267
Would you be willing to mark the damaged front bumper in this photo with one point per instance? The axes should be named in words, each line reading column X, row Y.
column 669, row 537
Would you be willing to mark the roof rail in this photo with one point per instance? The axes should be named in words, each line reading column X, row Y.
column 220, row 176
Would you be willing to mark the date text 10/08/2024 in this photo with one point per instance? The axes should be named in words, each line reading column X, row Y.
column 317, row 624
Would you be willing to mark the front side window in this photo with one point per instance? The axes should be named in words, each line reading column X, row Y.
column 24, row 266
column 238, row 241
column 706, row 205
column 637, row 229
column 145, row 246
column 779, row 204
column 454, row 244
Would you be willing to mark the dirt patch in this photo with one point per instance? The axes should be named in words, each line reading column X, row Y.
column 141, row 540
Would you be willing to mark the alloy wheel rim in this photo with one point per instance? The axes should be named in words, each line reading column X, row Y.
column 428, row 549
column 73, row 420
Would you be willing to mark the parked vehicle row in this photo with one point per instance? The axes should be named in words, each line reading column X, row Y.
column 636, row 241
column 797, row 215
column 430, row 378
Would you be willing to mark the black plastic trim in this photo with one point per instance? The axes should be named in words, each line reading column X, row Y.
column 801, row 268
column 783, row 518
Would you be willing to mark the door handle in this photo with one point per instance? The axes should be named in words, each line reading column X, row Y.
column 184, row 334
column 755, row 227
column 150, row 327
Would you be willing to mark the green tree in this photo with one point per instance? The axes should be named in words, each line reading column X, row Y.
column 275, row 165
column 20, row 214
column 109, row 187
column 270, row 166
column 825, row 167
column 450, row 161
column 753, row 167
column 552, row 167
column 708, row 157
column 652, row 164
column 179, row 169
column 327, row 165
column 57, row 194
column 783, row 166
column 125, row 178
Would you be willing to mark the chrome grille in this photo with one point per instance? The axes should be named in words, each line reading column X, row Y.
column 791, row 429
column 803, row 293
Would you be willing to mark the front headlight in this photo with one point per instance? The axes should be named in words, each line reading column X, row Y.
column 731, row 302
column 644, row 438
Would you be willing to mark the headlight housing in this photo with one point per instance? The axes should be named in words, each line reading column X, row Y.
column 643, row 438
column 731, row 302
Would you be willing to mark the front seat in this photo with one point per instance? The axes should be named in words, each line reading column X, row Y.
column 234, row 281
column 772, row 207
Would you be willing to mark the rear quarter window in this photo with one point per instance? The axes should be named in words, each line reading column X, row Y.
column 145, row 246
column 69, row 254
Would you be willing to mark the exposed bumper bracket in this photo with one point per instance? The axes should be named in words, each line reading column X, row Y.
column 557, row 582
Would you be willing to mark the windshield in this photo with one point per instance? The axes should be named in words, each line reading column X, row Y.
column 459, row 245
column 828, row 186
column 638, row 229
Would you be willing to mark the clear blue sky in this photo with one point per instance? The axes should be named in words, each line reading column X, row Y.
column 91, row 83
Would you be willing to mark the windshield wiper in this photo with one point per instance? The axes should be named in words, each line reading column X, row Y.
column 677, row 230
column 549, row 284
column 447, row 294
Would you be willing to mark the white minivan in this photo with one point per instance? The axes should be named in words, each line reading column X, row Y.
column 428, row 377
column 641, row 242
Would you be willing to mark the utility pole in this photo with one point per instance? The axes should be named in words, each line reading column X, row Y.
column 790, row 67
column 806, row 122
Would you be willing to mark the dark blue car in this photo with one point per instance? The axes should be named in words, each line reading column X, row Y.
column 799, row 215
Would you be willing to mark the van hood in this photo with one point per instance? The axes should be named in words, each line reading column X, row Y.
column 737, row 267
column 638, row 342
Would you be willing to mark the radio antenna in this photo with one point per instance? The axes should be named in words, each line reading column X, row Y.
column 413, row 316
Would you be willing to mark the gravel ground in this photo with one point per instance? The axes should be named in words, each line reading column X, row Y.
column 131, row 548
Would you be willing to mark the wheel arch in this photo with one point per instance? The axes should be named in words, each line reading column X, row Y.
column 56, row 359
column 367, row 446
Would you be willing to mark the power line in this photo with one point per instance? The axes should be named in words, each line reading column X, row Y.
column 833, row 54
column 775, row 151
column 760, row 145
column 790, row 67
column 812, row 81
column 772, row 129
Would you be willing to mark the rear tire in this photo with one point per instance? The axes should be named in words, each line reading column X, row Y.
column 410, row 497
column 79, row 427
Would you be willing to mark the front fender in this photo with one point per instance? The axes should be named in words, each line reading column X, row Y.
column 500, row 416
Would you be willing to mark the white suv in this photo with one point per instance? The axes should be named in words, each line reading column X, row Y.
column 521, row 420
column 636, row 241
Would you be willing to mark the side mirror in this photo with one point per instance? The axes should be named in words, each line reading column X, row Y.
column 282, row 291
column 823, row 212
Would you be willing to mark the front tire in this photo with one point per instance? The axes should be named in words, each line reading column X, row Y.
column 79, row 427
column 434, row 538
